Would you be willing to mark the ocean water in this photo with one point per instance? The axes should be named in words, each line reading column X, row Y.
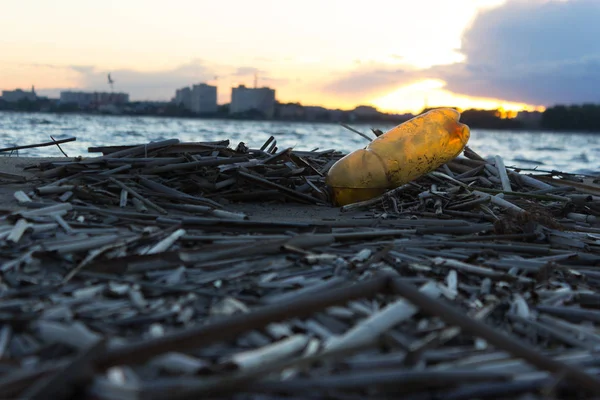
column 569, row 152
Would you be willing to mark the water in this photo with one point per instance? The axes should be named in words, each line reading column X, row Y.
column 570, row 152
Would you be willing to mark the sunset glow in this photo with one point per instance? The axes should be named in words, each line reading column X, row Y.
column 301, row 49
column 431, row 93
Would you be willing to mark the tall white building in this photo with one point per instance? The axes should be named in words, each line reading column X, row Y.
column 201, row 98
column 246, row 99
column 183, row 97
column 13, row 96
column 204, row 99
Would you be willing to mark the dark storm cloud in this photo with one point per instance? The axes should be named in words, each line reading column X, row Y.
column 541, row 52
column 535, row 51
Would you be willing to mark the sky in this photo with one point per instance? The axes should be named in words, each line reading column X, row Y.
column 396, row 55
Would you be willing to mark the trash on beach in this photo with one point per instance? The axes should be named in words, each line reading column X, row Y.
column 404, row 153
column 138, row 275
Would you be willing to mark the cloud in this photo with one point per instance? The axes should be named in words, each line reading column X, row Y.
column 39, row 65
column 243, row 71
column 155, row 85
column 535, row 51
column 83, row 69
column 141, row 85
column 161, row 85
column 263, row 59
column 267, row 80
column 146, row 85
column 262, row 75
column 366, row 82
column 541, row 52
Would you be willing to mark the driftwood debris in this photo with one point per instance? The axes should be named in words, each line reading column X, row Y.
column 45, row 144
column 129, row 276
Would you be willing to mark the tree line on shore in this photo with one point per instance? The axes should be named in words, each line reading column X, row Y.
column 577, row 117
column 585, row 117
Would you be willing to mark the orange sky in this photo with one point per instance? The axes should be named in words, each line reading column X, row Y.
column 299, row 48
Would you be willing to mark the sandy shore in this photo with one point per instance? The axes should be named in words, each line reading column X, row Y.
column 274, row 211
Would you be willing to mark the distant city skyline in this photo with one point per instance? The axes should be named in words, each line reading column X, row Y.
column 398, row 56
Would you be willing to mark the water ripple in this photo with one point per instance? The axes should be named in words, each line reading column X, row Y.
column 559, row 151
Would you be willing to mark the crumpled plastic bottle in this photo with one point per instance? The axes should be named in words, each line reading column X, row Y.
column 402, row 154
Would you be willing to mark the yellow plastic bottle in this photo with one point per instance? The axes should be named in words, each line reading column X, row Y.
column 402, row 154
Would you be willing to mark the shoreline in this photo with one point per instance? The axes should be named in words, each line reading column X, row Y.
column 357, row 123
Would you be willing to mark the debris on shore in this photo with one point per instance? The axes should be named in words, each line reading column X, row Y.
column 128, row 276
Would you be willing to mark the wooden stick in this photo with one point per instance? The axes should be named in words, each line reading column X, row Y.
column 58, row 145
column 503, row 175
column 277, row 351
column 499, row 201
column 367, row 203
column 355, row 131
column 17, row 232
column 167, row 242
column 31, row 146
column 138, row 196
column 378, row 323
column 141, row 149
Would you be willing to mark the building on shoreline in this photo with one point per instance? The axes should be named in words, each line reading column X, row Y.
column 290, row 112
column 248, row 100
column 183, row 97
column 81, row 99
column 200, row 98
column 204, row 99
column 14, row 96
column 94, row 100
